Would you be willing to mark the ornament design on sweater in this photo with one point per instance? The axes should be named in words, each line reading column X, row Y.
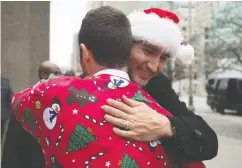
column 81, row 97
column 37, row 104
column 50, row 114
column 80, row 138
column 30, row 118
column 102, row 123
column 134, row 145
column 91, row 158
column 140, row 98
column 128, row 162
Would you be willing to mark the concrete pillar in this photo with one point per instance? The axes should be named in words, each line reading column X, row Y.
column 24, row 39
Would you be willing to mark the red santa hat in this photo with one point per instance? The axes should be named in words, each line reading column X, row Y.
column 160, row 28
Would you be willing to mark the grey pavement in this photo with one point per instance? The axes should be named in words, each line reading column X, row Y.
column 229, row 130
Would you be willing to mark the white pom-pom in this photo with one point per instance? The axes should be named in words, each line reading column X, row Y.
column 185, row 55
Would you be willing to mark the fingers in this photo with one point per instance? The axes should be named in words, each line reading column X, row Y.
column 130, row 102
column 116, row 121
column 115, row 112
column 124, row 134
column 119, row 105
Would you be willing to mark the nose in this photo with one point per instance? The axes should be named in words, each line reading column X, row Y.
column 154, row 65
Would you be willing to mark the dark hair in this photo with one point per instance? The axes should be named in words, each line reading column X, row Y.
column 106, row 32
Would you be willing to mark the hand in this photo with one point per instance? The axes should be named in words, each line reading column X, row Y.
column 145, row 124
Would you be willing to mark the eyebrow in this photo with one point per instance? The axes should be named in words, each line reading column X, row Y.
column 156, row 49
column 151, row 47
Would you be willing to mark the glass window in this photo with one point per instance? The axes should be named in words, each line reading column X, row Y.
column 223, row 83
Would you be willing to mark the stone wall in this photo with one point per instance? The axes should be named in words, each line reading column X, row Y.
column 24, row 40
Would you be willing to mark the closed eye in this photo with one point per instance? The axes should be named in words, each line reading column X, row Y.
column 148, row 52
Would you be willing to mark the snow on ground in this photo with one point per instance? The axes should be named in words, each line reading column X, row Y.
column 199, row 103
column 182, row 86
column 199, row 97
column 199, row 93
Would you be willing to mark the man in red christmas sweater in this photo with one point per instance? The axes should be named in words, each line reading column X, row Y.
column 65, row 113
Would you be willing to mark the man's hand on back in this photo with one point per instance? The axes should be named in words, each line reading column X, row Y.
column 141, row 123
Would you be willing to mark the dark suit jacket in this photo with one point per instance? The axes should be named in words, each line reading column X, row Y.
column 196, row 140
column 25, row 152
column 6, row 97
column 21, row 150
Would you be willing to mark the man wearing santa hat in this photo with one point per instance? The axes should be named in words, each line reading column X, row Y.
column 157, row 38
column 65, row 114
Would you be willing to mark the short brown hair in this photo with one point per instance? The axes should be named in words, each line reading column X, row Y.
column 106, row 32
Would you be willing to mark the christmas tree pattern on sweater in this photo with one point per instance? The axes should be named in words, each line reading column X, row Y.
column 30, row 118
column 128, row 162
column 140, row 98
column 80, row 138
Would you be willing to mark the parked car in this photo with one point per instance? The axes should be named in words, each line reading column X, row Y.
column 225, row 93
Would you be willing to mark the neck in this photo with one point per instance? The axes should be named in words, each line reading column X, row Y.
column 100, row 68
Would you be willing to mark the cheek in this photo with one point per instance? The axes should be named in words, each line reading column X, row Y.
column 137, row 59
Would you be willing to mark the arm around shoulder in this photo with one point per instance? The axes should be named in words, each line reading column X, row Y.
column 196, row 139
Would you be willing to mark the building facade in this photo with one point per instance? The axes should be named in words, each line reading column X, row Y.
column 25, row 40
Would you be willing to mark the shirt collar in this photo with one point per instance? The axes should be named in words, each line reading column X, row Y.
column 114, row 72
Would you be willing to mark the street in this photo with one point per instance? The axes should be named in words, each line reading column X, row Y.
column 229, row 130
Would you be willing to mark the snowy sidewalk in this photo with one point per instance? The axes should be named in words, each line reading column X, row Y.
column 229, row 154
column 227, row 128
column 200, row 104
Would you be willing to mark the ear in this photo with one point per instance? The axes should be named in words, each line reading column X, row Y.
column 86, row 55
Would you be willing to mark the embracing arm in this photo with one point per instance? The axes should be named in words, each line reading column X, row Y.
column 195, row 139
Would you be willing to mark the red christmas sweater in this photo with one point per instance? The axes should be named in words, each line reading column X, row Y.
column 64, row 114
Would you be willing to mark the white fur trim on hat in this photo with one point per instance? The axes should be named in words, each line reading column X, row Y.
column 161, row 32
column 185, row 55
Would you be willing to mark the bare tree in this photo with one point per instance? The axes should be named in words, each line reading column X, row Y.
column 226, row 37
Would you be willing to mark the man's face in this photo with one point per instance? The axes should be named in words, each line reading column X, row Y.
column 51, row 70
column 146, row 62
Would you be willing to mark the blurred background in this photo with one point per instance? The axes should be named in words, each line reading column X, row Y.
column 32, row 32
